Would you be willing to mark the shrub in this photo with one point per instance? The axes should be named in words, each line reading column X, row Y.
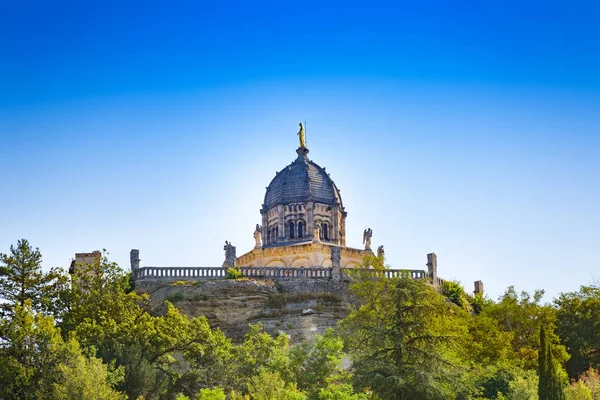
column 233, row 273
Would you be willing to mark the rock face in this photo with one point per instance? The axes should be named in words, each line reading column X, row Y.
column 280, row 306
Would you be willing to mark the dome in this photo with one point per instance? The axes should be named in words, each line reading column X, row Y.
column 301, row 181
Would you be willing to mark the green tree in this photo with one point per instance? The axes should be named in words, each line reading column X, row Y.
column 87, row 379
column 36, row 363
column 340, row 392
column 22, row 279
column 122, row 327
column 316, row 365
column 404, row 340
column 578, row 391
column 270, row 386
column 522, row 315
column 259, row 352
column 578, row 325
column 211, row 394
column 550, row 386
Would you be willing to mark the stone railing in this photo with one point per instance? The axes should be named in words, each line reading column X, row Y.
column 389, row 273
column 179, row 273
column 206, row 273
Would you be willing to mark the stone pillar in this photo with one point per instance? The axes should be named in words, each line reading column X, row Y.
column 335, row 226
column 310, row 219
column 134, row 259
column 432, row 268
column 265, row 227
column 280, row 223
column 342, row 228
column 478, row 287
column 336, row 270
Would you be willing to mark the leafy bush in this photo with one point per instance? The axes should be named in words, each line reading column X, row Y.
column 233, row 273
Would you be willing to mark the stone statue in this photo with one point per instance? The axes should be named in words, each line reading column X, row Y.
column 316, row 232
column 230, row 257
column 381, row 252
column 257, row 233
column 367, row 235
column 302, row 136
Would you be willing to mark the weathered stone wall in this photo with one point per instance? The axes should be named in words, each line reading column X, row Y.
column 300, row 308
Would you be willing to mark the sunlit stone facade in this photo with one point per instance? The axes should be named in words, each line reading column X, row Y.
column 302, row 218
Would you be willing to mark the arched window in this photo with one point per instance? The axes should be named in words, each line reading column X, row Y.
column 276, row 233
column 325, row 232
column 300, row 229
column 268, row 236
column 292, row 229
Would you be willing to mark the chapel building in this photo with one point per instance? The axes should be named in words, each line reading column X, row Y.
column 303, row 217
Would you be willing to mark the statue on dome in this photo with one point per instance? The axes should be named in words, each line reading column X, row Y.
column 257, row 234
column 301, row 133
column 367, row 235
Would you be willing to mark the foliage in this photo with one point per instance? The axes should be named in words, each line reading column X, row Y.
column 454, row 291
column 523, row 387
column 340, row 392
column 233, row 273
column 578, row 391
column 211, row 394
column 87, row 378
column 522, row 315
column 550, row 386
column 269, row 385
column 586, row 388
column 403, row 340
column 35, row 362
column 22, row 279
column 578, row 325
column 316, row 365
column 406, row 340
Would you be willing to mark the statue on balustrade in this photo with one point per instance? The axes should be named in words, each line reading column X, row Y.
column 257, row 235
column 229, row 255
column 367, row 235
column 381, row 253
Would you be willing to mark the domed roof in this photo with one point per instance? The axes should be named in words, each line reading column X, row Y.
column 301, row 181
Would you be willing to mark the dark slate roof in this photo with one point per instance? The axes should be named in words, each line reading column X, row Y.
column 301, row 181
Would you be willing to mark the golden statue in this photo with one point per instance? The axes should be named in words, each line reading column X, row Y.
column 302, row 138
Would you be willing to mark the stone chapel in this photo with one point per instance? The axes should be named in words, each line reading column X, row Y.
column 303, row 217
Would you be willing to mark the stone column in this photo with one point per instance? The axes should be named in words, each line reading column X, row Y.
column 335, row 226
column 265, row 227
column 280, row 223
column 134, row 258
column 336, row 272
column 432, row 268
column 310, row 219
column 478, row 287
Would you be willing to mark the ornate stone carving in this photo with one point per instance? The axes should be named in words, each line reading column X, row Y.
column 229, row 255
column 257, row 233
column 316, row 232
column 367, row 235
column 381, row 253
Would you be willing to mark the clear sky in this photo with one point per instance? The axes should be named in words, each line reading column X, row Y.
column 470, row 129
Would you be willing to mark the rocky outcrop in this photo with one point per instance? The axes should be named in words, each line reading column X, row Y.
column 300, row 308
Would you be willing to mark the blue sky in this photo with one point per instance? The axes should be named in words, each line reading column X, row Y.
column 471, row 129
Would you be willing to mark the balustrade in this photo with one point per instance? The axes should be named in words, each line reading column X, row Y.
column 203, row 273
